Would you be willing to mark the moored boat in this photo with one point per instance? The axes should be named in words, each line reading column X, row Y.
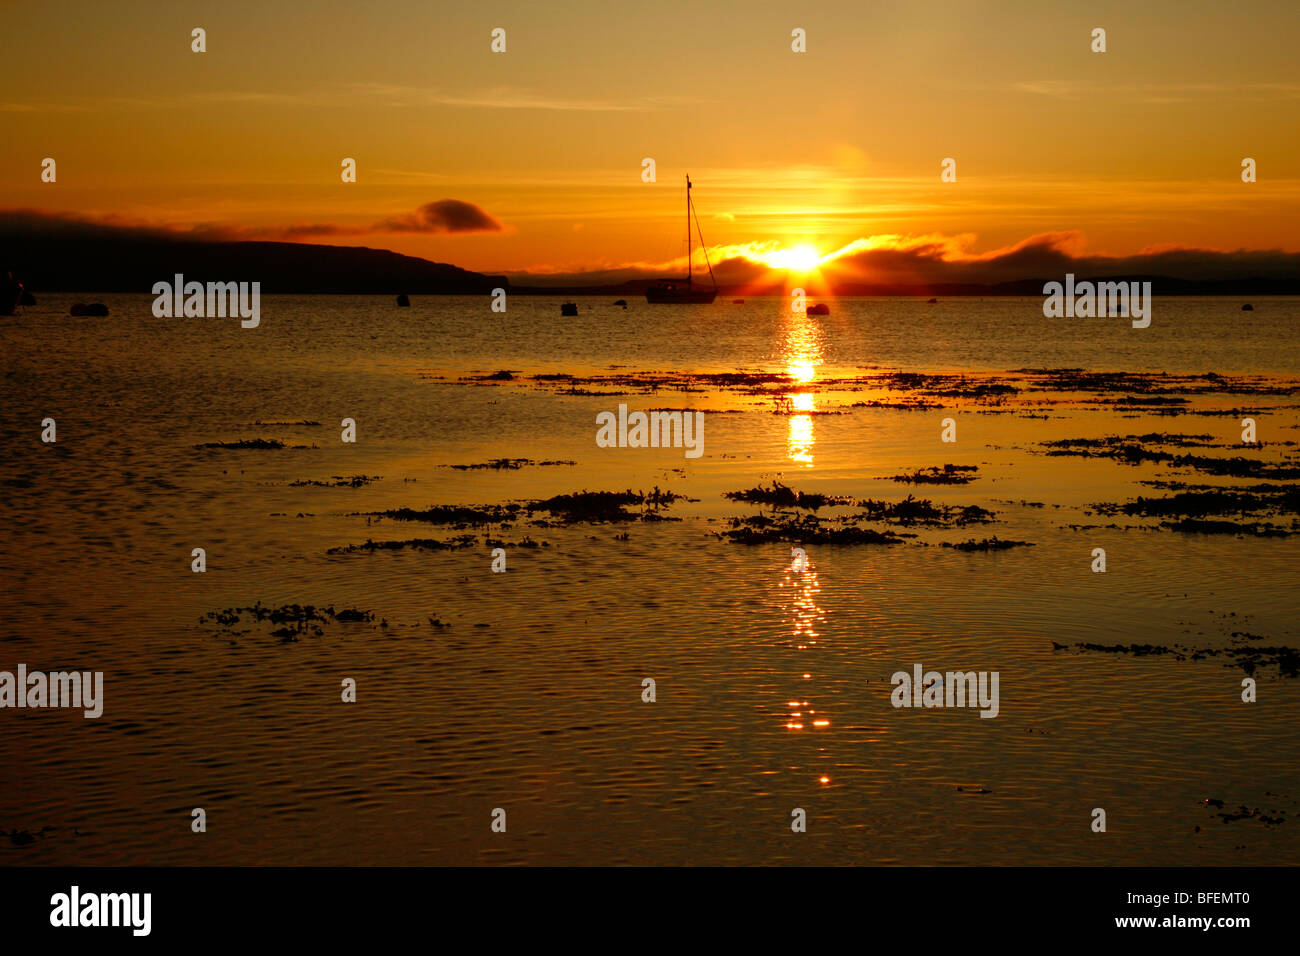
column 684, row 291
column 11, row 293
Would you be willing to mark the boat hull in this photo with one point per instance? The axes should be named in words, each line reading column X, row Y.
column 11, row 293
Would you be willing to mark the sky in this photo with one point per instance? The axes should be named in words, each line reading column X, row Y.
column 530, row 161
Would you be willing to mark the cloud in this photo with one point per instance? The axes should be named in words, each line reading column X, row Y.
column 511, row 98
column 445, row 215
column 938, row 259
column 39, row 224
column 1159, row 93
column 39, row 108
column 932, row 260
column 369, row 95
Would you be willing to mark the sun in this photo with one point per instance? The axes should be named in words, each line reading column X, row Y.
column 802, row 258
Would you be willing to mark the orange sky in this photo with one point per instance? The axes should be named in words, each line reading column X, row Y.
column 1136, row 147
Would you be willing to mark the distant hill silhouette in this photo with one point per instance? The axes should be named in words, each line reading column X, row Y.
column 67, row 264
column 132, row 263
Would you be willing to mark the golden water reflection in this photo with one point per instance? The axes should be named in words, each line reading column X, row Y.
column 801, row 353
column 804, row 616
column 801, row 356
column 799, row 441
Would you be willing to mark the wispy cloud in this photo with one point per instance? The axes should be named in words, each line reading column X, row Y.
column 40, row 108
column 510, row 98
column 249, row 96
column 142, row 103
column 375, row 94
column 1159, row 93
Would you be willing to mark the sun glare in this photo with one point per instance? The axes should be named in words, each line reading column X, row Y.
column 802, row 258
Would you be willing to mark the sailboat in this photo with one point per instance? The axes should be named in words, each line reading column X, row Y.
column 677, row 291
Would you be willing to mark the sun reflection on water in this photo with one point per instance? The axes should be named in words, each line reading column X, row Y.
column 801, row 353
column 799, row 441
column 804, row 616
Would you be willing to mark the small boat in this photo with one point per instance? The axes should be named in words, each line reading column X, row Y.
column 11, row 292
column 569, row 308
column 821, row 308
column 683, row 292
column 403, row 301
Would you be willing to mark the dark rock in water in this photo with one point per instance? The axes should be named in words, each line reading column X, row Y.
column 402, row 300
column 509, row 464
column 414, row 544
column 780, row 495
column 947, row 475
column 569, row 308
column 598, row 507
column 821, row 308
column 1247, row 308
column 94, row 308
column 988, row 544
column 352, row 614
column 1249, row 659
column 258, row 443
column 804, row 529
column 27, row 299
column 622, row 302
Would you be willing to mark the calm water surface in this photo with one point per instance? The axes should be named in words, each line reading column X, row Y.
column 772, row 685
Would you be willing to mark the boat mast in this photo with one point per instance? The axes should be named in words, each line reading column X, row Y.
column 688, row 231
column 705, row 247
